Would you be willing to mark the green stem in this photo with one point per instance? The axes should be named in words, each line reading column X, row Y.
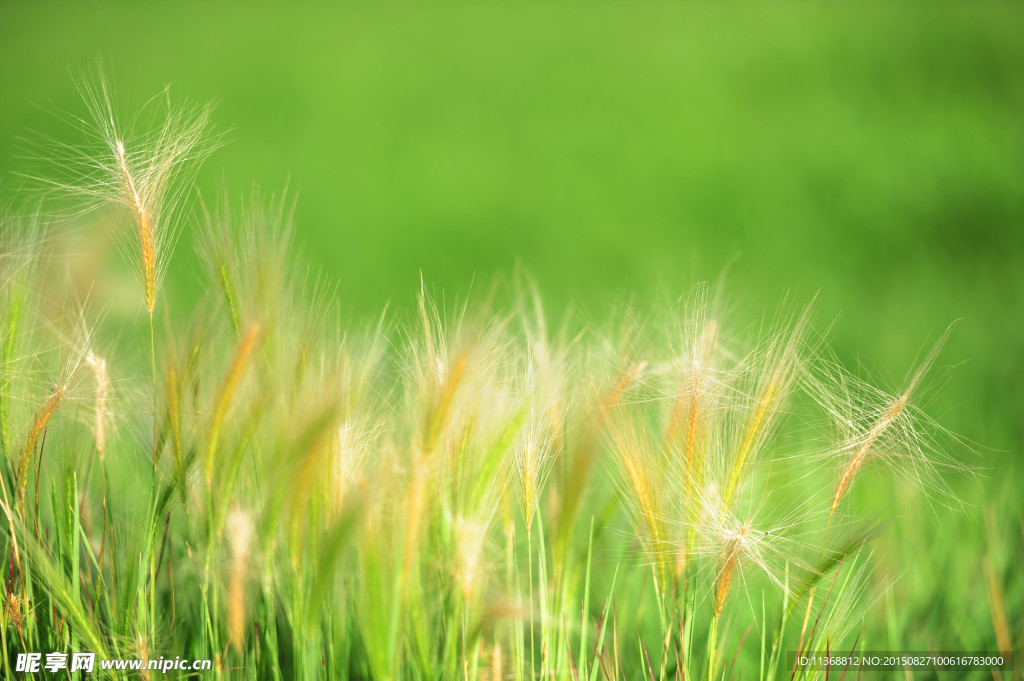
column 152, row 363
column 529, row 557
column 712, row 646
column 153, row 493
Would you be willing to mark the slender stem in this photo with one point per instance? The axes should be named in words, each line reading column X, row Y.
column 712, row 645
column 152, row 362
column 529, row 557
column 153, row 490
column 810, row 595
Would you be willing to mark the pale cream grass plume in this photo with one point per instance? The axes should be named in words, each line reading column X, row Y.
column 39, row 423
column 727, row 544
column 546, row 366
column 694, row 378
column 482, row 414
column 99, row 425
column 240, row 532
column 619, row 369
column 245, row 249
column 82, row 341
column 610, row 384
column 776, row 362
column 364, row 399
column 532, row 455
column 23, row 240
column 431, row 386
column 225, row 396
column 736, row 544
column 864, row 443
column 434, row 375
column 305, row 458
column 307, row 334
column 189, row 380
column 766, row 541
column 642, row 479
column 350, row 458
column 874, row 425
column 365, row 368
column 146, row 169
column 490, row 393
column 470, row 542
column 693, row 419
column 547, row 400
column 22, row 255
column 461, row 396
column 71, row 352
column 356, row 443
column 698, row 394
column 462, row 391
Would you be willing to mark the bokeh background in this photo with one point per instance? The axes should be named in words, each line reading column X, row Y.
column 869, row 153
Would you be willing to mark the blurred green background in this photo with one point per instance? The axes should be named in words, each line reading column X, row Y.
column 872, row 153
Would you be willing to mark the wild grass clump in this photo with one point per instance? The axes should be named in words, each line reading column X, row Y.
column 467, row 493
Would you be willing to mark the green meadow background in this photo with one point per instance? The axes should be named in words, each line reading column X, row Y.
column 871, row 154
